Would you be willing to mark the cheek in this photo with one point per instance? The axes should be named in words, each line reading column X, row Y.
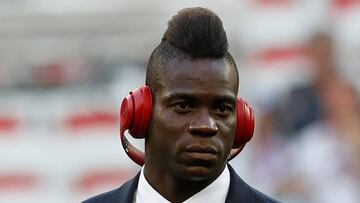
column 227, row 130
column 167, row 122
column 166, row 129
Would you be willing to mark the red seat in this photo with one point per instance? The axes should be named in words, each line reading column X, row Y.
column 102, row 180
column 278, row 54
column 18, row 182
column 8, row 124
column 345, row 4
column 89, row 120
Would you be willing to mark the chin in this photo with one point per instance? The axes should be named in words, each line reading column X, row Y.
column 197, row 173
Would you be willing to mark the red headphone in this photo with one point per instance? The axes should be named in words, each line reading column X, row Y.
column 135, row 115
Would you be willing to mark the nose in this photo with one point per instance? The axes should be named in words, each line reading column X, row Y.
column 203, row 125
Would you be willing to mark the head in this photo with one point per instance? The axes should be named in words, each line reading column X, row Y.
column 321, row 52
column 194, row 83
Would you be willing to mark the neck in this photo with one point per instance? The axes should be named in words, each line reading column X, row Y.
column 173, row 188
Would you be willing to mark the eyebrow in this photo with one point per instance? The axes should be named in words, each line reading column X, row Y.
column 187, row 96
column 179, row 95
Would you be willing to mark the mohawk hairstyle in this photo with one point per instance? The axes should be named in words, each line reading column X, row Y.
column 192, row 33
column 198, row 32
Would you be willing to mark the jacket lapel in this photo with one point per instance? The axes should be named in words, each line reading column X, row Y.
column 127, row 191
column 239, row 191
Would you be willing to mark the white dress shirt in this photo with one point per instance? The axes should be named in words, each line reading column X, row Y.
column 216, row 191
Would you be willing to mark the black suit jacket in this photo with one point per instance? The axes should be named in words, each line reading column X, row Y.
column 239, row 191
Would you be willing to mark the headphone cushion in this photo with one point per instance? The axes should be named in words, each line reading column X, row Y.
column 245, row 123
column 142, row 111
column 126, row 113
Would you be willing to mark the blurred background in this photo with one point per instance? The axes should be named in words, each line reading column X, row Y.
column 65, row 67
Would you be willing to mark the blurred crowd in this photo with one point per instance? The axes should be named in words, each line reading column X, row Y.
column 310, row 138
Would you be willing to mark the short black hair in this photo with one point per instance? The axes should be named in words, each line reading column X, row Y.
column 192, row 33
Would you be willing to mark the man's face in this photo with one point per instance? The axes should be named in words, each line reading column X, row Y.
column 194, row 120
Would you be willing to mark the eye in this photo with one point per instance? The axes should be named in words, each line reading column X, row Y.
column 224, row 110
column 182, row 107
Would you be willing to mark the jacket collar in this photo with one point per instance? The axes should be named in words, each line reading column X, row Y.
column 239, row 191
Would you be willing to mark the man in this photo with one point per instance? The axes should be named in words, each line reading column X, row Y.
column 194, row 84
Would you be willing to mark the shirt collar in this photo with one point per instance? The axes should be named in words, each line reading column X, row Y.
column 216, row 191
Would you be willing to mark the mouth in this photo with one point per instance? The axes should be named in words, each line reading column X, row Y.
column 201, row 149
column 200, row 154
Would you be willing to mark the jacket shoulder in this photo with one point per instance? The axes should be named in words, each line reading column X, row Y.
column 240, row 191
column 260, row 197
column 106, row 197
column 124, row 193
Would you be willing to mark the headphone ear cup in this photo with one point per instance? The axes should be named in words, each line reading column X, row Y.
column 126, row 113
column 139, row 104
column 245, row 123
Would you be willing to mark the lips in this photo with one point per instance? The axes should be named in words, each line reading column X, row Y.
column 200, row 155
column 201, row 149
column 197, row 154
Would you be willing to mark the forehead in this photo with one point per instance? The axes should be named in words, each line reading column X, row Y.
column 200, row 76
